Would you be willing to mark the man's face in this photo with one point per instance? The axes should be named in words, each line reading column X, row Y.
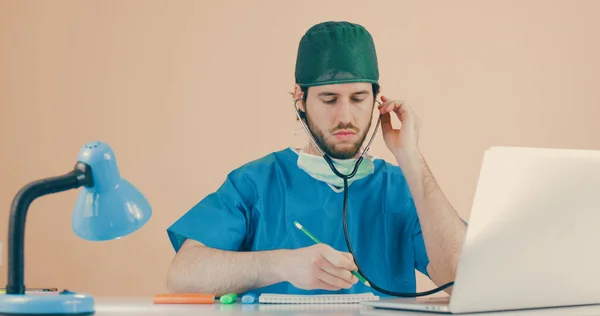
column 339, row 116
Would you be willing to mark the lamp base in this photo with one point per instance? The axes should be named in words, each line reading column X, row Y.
column 37, row 304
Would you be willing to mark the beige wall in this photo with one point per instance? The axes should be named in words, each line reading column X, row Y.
column 186, row 91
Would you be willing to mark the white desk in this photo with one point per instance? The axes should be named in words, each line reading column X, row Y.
column 109, row 306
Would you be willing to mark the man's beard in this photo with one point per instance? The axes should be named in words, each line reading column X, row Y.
column 330, row 150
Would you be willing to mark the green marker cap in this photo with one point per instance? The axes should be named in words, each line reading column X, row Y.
column 229, row 298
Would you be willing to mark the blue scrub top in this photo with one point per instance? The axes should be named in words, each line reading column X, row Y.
column 255, row 209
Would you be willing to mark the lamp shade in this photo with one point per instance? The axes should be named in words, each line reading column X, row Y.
column 112, row 207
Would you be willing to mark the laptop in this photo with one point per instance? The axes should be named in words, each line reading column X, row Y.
column 533, row 239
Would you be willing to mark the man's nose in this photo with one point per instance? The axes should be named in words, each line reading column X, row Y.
column 344, row 114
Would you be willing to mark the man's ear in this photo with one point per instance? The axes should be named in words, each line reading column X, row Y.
column 298, row 95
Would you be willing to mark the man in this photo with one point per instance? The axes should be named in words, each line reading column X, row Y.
column 242, row 237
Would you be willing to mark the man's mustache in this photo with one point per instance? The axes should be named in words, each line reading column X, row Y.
column 348, row 126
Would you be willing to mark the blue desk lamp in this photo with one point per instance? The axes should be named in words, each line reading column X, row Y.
column 108, row 207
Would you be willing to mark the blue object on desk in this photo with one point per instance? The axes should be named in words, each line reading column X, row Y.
column 249, row 298
column 108, row 207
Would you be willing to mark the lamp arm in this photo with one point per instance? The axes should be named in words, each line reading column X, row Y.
column 80, row 176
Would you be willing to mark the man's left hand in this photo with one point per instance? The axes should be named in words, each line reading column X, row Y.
column 403, row 140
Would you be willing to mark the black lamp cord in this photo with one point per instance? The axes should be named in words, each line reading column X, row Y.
column 347, row 237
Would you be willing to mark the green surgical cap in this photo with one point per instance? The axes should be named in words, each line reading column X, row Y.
column 336, row 52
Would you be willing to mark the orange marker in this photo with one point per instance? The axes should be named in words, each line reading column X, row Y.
column 184, row 298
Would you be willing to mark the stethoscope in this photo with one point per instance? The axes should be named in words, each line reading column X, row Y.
column 345, row 205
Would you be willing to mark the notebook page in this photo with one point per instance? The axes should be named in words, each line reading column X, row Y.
column 311, row 307
column 316, row 299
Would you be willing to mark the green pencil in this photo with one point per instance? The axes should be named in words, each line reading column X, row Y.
column 304, row 230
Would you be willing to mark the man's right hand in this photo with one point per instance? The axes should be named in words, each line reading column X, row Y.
column 318, row 267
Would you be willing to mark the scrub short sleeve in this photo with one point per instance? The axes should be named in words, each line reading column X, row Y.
column 420, row 252
column 220, row 219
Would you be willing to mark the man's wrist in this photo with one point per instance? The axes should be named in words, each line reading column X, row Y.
column 409, row 159
column 273, row 268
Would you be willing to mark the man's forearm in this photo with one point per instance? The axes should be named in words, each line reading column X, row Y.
column 443, row 230
column 200, row 269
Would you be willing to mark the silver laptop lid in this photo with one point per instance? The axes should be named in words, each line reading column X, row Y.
column 534, row 232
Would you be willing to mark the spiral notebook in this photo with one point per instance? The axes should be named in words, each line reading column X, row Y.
column 317, row 299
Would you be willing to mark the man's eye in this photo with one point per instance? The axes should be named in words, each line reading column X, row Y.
column 329, row 101
column 357, row 100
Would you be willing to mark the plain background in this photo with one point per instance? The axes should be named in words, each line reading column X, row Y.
column 186, row 91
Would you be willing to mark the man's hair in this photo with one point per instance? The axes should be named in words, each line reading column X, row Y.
column 304, row 89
